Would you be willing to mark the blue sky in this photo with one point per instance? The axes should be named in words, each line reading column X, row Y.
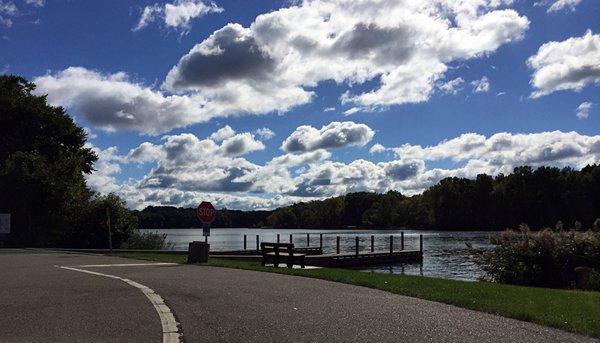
column 152, row 81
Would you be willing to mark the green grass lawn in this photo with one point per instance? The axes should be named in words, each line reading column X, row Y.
column 574, row 311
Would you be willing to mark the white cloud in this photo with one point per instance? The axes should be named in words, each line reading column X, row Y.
column 583, row 110
column 406, row 45
column 558, row 5
column 481, row 85
column 333, row 135
column 36, row 3
column 568, row 65
column 8, row 9
column 505, row 151
column 222, row 134
column 114, row 102
column 329, row 109
column 186, row 169
column 377, row 149
column 265, row 133
column 274, row 64
column 453, row 86
column 178, row 14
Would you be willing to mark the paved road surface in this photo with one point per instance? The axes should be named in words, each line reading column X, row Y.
column 40, row 302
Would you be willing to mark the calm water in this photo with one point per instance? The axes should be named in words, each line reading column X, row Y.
column 445, row 253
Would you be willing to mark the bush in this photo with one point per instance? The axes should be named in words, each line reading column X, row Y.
column 544, row 258
column 146, row 241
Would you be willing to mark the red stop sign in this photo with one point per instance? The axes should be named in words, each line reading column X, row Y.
column 206, row 212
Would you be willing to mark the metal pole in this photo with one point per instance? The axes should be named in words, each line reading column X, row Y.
column 308, row 239
column 356, row 243
column 205, row 239
column 245, row 245
column 402, row 240
column 372, row 243
column 109, row 228
column 391, row 244
column 321, row 241
column 257, row 245
column 291, row 240
column 337, row 245
column 421, row 242
column 277, row 238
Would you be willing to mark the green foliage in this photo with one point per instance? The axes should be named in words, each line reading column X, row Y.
column 146, row 241
column 92, row 230
column 42, row 161
column 542, row 197
column 544, row 258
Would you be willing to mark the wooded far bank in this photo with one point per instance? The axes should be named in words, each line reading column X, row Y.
column 540, row 197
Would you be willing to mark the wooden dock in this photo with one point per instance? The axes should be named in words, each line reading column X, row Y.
column 343, row 260
column 315, row 256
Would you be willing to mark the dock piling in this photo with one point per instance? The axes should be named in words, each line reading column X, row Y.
column 337, row 244
column 356, row 242
column 277, row 238
column 421, row 242
column 391, row 244
column 291, row 240
column 257, row 244
column 372, row 243
column 308, row 239
column 402, row 240
column 321, row 241
column 206, row 239
column 245, row 246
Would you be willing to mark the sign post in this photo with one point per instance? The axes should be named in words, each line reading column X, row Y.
column 4, row 228
column 206, row 213
column 198, row 251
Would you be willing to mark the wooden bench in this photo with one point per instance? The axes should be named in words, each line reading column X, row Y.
column 278, row 252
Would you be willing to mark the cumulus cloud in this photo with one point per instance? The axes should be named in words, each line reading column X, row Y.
column 265, row 133
column 274, row 64
column 453, row 86
column 177, row 15
column 405, row 44
column 333, row 135
column 507, row 150
column 481, row 85
column 115, row 102
column 8, row 10
column 185, row 169
column 558, row 5
column 377, row 149
column 568, row 65
column 36, row 3
column 222, row 134
column 583, row 110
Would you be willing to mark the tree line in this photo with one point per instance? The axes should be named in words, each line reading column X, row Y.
column 540, row 197
column 43, row 160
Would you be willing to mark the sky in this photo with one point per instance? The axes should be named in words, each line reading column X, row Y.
column 258, row 104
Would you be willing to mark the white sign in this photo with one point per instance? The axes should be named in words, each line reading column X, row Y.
column 4, row 223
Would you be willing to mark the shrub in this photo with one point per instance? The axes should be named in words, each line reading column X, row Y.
column 544, row 258
column 146, row 241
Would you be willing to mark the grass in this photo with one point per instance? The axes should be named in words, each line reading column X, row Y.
column 575, row 311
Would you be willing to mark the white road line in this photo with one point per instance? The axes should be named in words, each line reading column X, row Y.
column 125, row 265
column 167, row 319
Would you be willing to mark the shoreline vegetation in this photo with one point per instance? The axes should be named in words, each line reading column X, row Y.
column 570, row 310
column 540, row 197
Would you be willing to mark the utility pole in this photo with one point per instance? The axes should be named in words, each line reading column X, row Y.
column 109, row 231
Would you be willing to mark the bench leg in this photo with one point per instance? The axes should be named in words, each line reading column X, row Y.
column 290, row 264
column 302, row 263
column 276, row 262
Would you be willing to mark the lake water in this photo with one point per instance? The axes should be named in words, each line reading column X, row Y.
column 445, row 254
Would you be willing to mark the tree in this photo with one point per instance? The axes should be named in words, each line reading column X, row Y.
column 42, row 161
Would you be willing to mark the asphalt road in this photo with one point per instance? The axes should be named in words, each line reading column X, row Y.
column 40, row 302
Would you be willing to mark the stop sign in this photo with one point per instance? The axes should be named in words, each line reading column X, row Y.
column 206, row 212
